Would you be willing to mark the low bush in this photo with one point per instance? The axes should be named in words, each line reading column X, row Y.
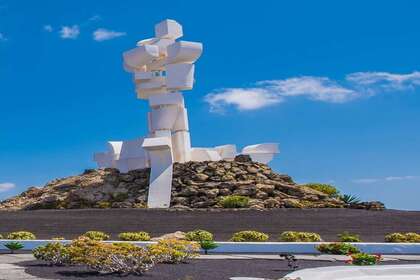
column 199, row 235
column 298, row 236
column 53, row 253
column 13, row 246
column 234, row 201
column 249, row 236
column 1, row 236
column 134, row 236
column 364, row 259
column 58, row 238
column 121, row 258
column 207, row 245
column 174, row 250
column 338, row 248
column 408, row 237
column 96, row 235
column 349, row 237
column 21, row 235
column 325, row 188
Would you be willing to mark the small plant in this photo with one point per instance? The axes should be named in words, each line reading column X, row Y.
column 364, row 259
column 234, row 201
column 349, row 237
column 349, row 199
column 173, row 250
column 58, row 238
column 249, row 236
column 338, row 248
column 134, row 236
column 207, row 245
column 96, row 235
column 199, row 235
column 298, row 236
column 13, row 246
column 103, row 204
column 398, row 237
column 325, row 188
column 1, row 236
column 21, row 235
column 54, row 253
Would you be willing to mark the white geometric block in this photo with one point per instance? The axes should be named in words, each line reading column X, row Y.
column 181, row 123
column 143, row 75
column 172, row 98
column 204, row 154
column 181, row 146
column 132, row 149
column 272, row 148
column 104, row 160
column 263, row 153
column 161, row 171
column 169, row 29
column 164, row 118
column 179, row 76
column 114, row 148
column 227, row 152
column 184, row 52
column 140, row 56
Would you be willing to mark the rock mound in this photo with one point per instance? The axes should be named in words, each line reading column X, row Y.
column 194, row 185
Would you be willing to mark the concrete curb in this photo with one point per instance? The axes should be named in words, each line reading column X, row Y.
column 262, row 247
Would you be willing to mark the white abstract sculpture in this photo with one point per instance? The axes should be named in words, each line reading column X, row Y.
column 162, row 67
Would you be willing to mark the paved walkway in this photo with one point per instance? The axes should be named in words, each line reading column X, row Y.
column 9, row 270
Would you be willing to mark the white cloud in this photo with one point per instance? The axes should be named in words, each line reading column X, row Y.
column 398, row 178
column 322, row 89
column 383, row 180
column 266, row 93
column 2, row 37
column 69, row 32
column 103, row 34
column 385, row 80
column 366, row 181
column 242, row 98
column 4, row 187
column 48, row 28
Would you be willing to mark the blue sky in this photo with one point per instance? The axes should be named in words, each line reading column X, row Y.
column 334, row 82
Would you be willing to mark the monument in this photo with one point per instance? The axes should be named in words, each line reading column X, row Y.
column 162, row 67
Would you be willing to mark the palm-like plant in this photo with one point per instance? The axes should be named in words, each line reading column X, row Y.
column 350, row 199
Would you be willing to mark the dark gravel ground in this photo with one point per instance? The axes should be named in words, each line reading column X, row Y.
column 194, row 270
column 371, row 225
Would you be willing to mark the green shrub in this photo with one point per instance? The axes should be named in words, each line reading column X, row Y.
column 298, row 236
column 338, row 248
column 13, row 246
column 134, row 236
column 173, row 250
column 96, row 235
column 349, row 237
column 325, row 188
column 234, row 201
column 249, row 236
column 21, row 235
column 199, row 235
column 408, row 237
column 1, row 236
column 103, row 204
column 54, row 253
column 207, row 245
column 364, row 259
